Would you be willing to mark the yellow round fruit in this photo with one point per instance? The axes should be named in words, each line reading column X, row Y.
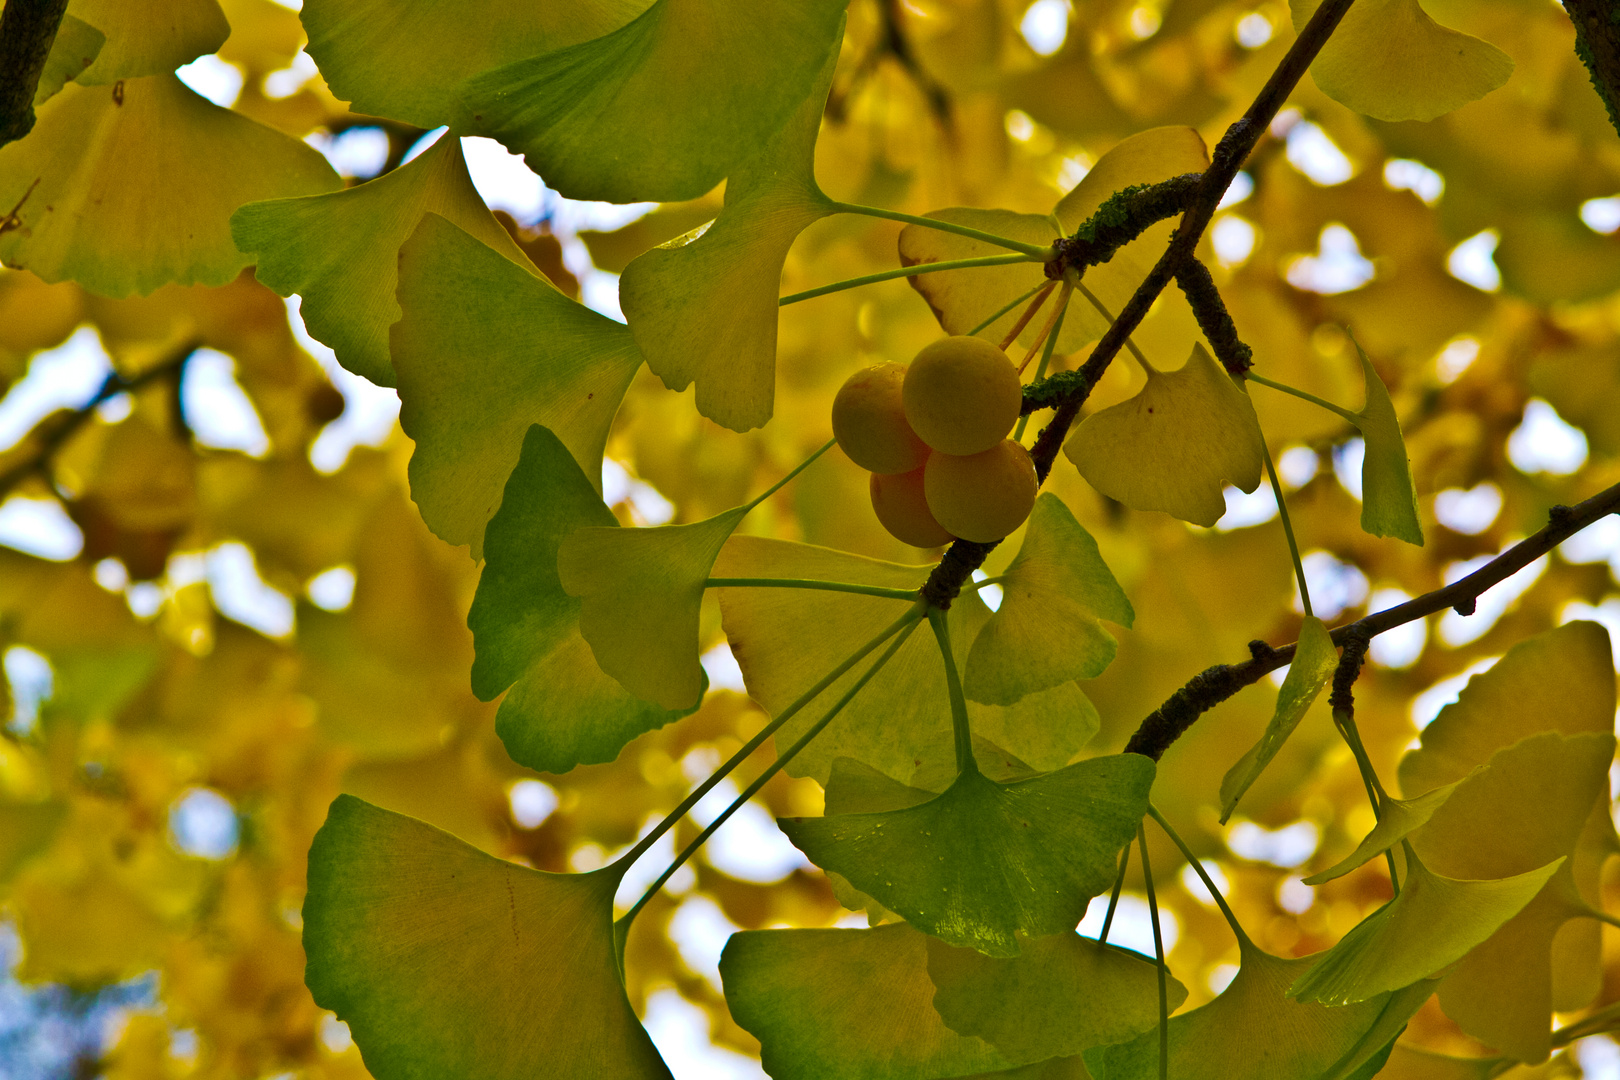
column 900, row 505
column 962, row 395
column 869, row 421
column 981, row 497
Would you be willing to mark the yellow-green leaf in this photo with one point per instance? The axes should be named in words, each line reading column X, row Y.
column 1389, row 60
column 484, row 349
column 75, row 48
column 1396, row 819
column 1314, row 661
column 705, row 309
column 1174, row 445
column 1388, row 499
column 124, row 188
column 1048, row 629
column 149, row 37
column 665, row 106
column 340, row 252
column 445, row 961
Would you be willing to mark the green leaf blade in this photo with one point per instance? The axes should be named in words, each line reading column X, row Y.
column 1388, row 496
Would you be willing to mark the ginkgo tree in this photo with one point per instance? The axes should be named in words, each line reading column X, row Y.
column 976, row 748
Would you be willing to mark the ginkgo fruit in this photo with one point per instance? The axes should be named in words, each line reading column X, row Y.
column 869, row 421
column 981, row 497
column 901, row 506
column 962, row 395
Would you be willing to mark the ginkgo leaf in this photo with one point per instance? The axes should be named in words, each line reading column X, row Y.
column 129, row 187
column 1314, row 662
column 340, row 252
column 642, row 593
column 1048, row 629
column 962, row 299
column 407, row 61
column 1396, row 819
column 1174, row 445
column 1061, row 995
column 985, row 862
column 846, row 1005
column 76, row 46
column 1388, row 499
column 1252, row 1031
column 484, row 349
column 1389, row 60
column 705, row 309
column 149, row 37
column 560, row 709
column 445, row 961
column 664, row 107
column 901, row 719
column 1432, row 924
column 1490, row 712
column 1412, row 1063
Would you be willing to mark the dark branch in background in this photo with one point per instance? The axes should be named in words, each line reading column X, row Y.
column 1230, row 153
column 1597, row 43
column 1214, row 685
column 1343, row 698
column 1213, row 318
column 892, row 43
column 27, row 31
column 62, row 427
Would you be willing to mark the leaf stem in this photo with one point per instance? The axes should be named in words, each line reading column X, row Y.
column 1040, row 370
column 797, row 469
column 808, row 583
column 1011, row 304
column 1288, row 529
column 1130, row 343
column 1303, row 396
column 1041, row 253
column 1029, row 313
column 1198, row 867
column 758, row 740
column 1113, row 897
column 1158, row 952
column 906, row 271
column 1046, row 336
column 775, row 767
column 953, row 683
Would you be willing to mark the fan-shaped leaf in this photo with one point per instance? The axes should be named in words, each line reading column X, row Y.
column 1388, row 499
column 1171, row 446
column 1048, row 629
column 76, row 46
column 665, row 106
column 1313, row 665
column 985, row 862
column 1389, row 60
column 129, row 187
column 484, row 349
column 149, row 37
column 340, row 252
column 561, row 709
column 1397, row 818
column 445, row 961
column 705, row 309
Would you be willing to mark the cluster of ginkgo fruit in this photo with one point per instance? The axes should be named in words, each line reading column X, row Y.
column 934, row 436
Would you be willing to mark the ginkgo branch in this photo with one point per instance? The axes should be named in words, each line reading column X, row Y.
column 27, row 31
column 907, row 271
column 1036, row 250
column 1597, row 43
column 1214, row 685
column 1123, row 216
column 1213, row 319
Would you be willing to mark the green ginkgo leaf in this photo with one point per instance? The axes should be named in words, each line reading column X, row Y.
column 1389, row 60
column 1175, row 445
column 1396, row 819
column 149, row 37
column 1432, row 924
column 1388, row 499
column 705, row 309
column 642, row 593
column 983, row 863
column 406, row 61
column 340, row 252
column 664, row 107
column 128, row 187
column 560, row 709
column 1048, row 629
column 1061, row 995
column 962, row 299
column 445, row 961
column 76, row 46
column 901, row 720
column 1490, row 712
column 1252, row 1031
column 1411, row 1063
column 484, row 349
column 1315, row 658
column 846, row 1005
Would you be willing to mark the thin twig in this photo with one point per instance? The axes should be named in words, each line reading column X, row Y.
column 27, row 32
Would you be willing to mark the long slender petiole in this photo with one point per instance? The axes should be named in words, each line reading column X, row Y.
column 764, row 733
column 1113, row 897
column 953, row 683
column 1047, row 334
column 907, row 271
column 774, row 768
column 797, row 469
column 1312, row 398
column 1029, row 313
column 1010, row 305
column 1158, row 952
column 1346, row 723
column 1102, row 310
column 1198, row 867
column 808, row 583
column 1044, row 253
column 1288, row 529
column 1040, row 370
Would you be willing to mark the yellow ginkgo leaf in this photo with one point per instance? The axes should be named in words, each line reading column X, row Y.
column 1173, row 446
column 149, row 37
column 1388, row 499
column 1389, row 60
